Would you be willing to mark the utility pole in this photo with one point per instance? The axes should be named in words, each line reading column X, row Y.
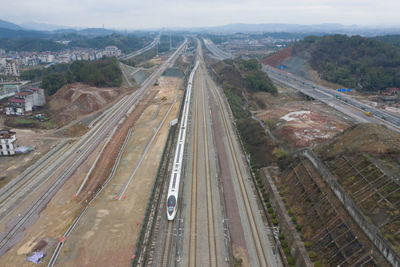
column 170, row 42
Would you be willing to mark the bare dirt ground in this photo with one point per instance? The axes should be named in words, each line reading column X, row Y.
column 298, row 121
column 107, row 234
column 78, row 99
column 12, row 166
column 278, row 57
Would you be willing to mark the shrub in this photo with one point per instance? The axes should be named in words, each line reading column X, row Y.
column 298, row 227
column 273, row 215
column 318, row 264
column 270, row 210
column 307, row 244
column 312, row 254
column 294, row 219
column 284, row 244
column 265, row 198
column 290, row 212
column 268, row 204
column 290, row 260
column 281, row 236
column 275, row 222
column 287, row 251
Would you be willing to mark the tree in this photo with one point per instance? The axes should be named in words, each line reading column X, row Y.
column 52, row 82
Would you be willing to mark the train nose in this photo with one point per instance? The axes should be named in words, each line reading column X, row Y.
column 170, row 210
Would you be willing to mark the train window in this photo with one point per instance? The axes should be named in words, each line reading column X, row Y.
column 174, row 180
column 171, row 204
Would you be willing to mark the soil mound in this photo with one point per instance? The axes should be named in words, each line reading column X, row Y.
column 77, row 99
column 278, row 58
column 362, row 138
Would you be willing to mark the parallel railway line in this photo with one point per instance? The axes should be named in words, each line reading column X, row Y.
column 84, row 148
column 255, row 232
column 210, row 207
column 193, row 194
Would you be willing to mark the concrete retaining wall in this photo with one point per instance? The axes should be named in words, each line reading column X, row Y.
column 369, row 229
column 296, row 246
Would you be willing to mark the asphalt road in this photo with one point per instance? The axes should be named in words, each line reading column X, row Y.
column 344, row 103
column 153, row 44
column 215, row 50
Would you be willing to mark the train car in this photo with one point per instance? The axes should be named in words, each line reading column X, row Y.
column 175, row 180
column 172, row 198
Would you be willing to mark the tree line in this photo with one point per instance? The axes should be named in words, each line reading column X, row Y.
column 100, row 73
column 355, row 61
column 127, row 43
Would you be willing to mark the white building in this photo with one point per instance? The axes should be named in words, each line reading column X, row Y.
column 19, row 106
column 112, row 51
column 39, row 98
column 23, row 102
column 12, row 68
column 7, row 139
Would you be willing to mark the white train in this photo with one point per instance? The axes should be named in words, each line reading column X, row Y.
column 173, row 189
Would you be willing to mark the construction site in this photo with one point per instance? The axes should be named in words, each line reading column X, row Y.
column 110, row 184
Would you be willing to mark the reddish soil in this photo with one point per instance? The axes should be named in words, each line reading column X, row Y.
column 79, row 99
column 106, row 161
column 278, row 57
column 308, row 129
column 232, row 211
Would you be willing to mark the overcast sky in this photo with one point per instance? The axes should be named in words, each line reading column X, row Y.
column 141, row 14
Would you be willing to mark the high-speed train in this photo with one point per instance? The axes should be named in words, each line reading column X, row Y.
column 173, row 189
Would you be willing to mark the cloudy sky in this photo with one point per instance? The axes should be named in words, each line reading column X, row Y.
column 141, row 14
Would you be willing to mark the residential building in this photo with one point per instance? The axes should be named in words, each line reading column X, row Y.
column 24, row 102
column 12, row 68
column 39, row 98
column 7, row 140
column 112, row 51
column 19, row 106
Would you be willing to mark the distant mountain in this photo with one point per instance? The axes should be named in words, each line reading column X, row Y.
column 297, row 28
column 97, row 31
column 42, row 26
column 8, row 25
column 8, row 33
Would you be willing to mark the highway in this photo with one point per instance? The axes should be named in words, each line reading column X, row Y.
column 344, row 103
column 153, row 44
column 56, row 173
column 218, row 53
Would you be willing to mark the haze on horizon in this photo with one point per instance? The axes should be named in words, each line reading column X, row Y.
column 139, row 14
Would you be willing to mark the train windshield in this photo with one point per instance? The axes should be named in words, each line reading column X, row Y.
column 171, row 204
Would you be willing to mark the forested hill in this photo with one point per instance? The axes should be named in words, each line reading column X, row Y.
column 127, row 43
column 355, row 61
column 389, row 39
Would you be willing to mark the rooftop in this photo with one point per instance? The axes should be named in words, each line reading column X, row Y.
column 5, row 134
column 23, row 93
column 16, row 100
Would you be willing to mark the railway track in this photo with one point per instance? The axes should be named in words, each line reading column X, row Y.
column 193, row 193
column 255, row 232
column 167, row 245
column 83, row 148
column 210, row 207
column 9, row 200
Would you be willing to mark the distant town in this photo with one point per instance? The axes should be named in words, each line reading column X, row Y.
column 11, row 61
